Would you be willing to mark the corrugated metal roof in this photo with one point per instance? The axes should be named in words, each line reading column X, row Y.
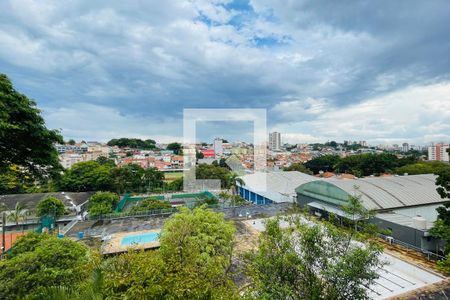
column 283, row 183
column 401, row 219
column 391, row 192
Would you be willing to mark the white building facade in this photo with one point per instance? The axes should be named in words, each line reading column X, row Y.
column 274, row 141
column 439, row 152
column 218, row 148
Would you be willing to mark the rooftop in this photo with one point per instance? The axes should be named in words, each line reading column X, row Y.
column 377, row 192
column 283, row 183
column 31, row 200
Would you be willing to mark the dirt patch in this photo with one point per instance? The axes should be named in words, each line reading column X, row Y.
column 436, row 291
column 246, row 237
column 409, row 255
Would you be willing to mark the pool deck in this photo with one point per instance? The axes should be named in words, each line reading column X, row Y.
column 113, row 244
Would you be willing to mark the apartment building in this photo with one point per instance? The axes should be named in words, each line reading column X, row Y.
column 274, row 141
column 439, row 152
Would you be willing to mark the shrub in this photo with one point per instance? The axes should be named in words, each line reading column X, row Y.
column 50, row 206
column 102, row 203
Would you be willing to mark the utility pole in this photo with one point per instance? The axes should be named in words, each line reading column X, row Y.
column 3, row 233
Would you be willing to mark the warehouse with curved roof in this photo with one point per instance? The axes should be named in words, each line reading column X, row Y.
column 376, row 193
column 404, row 205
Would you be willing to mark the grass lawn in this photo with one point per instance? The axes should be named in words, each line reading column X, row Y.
column 171, row 176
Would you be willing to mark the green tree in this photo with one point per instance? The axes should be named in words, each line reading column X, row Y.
column 19, row 214
column 175, row 147
column 89, row 290
column 102, row 160
column 25, row 141
column 87, row 176
column 102, row 203
column 134, row 275
column 310, row 262
column 355, row 211
column 175, row 185
column 197, row 247
column 133, row 143
column 199, row 155
column 324, row 163
column 299, row 167
column 133, row 178
column 234, row 181
column 192, row 263
column 441, row 228
column 422, row 167
column 50, row 206
column 371, row 164
column 14, row 180
column 40, row 261
column 128, row 178
column 153, row 179
column 71, row 142
column 204, row 171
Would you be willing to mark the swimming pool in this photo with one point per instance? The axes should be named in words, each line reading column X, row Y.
column 140, row 238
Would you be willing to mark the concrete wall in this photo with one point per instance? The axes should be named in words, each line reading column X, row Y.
column 407, row 234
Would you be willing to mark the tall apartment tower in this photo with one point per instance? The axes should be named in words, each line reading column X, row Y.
column 405, row 147
column 218, row 147
column 274, row 141
column 439, row 152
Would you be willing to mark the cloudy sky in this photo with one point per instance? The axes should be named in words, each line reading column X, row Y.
column 324, row 70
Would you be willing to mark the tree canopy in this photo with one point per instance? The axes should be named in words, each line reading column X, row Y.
column 134, row 178
column 441, row 228
column 299, row 167
column 175, row 147
column 150, row 204
column 25, row 141
column 204, row 171
column 310, row 262
column 102, row 203
column 103, row 175
column 192, row 263
column 423, row 167
column 50, row 206
column 39, row 261
column 87, row 176
column 133, row 143
column 324, row 163
column 360, row 164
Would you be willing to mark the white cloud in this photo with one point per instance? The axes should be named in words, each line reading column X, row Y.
column 416, row 115
column 328, row 69
column 87, row 121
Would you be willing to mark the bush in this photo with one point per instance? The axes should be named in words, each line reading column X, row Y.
column 50, row 206
column 102, row 203
column 150, row 204
column 40, row 261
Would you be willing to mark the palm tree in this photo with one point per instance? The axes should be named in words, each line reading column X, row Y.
column 234, row 181
column 2, row 207
column 19, row 213
column 90, row 290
